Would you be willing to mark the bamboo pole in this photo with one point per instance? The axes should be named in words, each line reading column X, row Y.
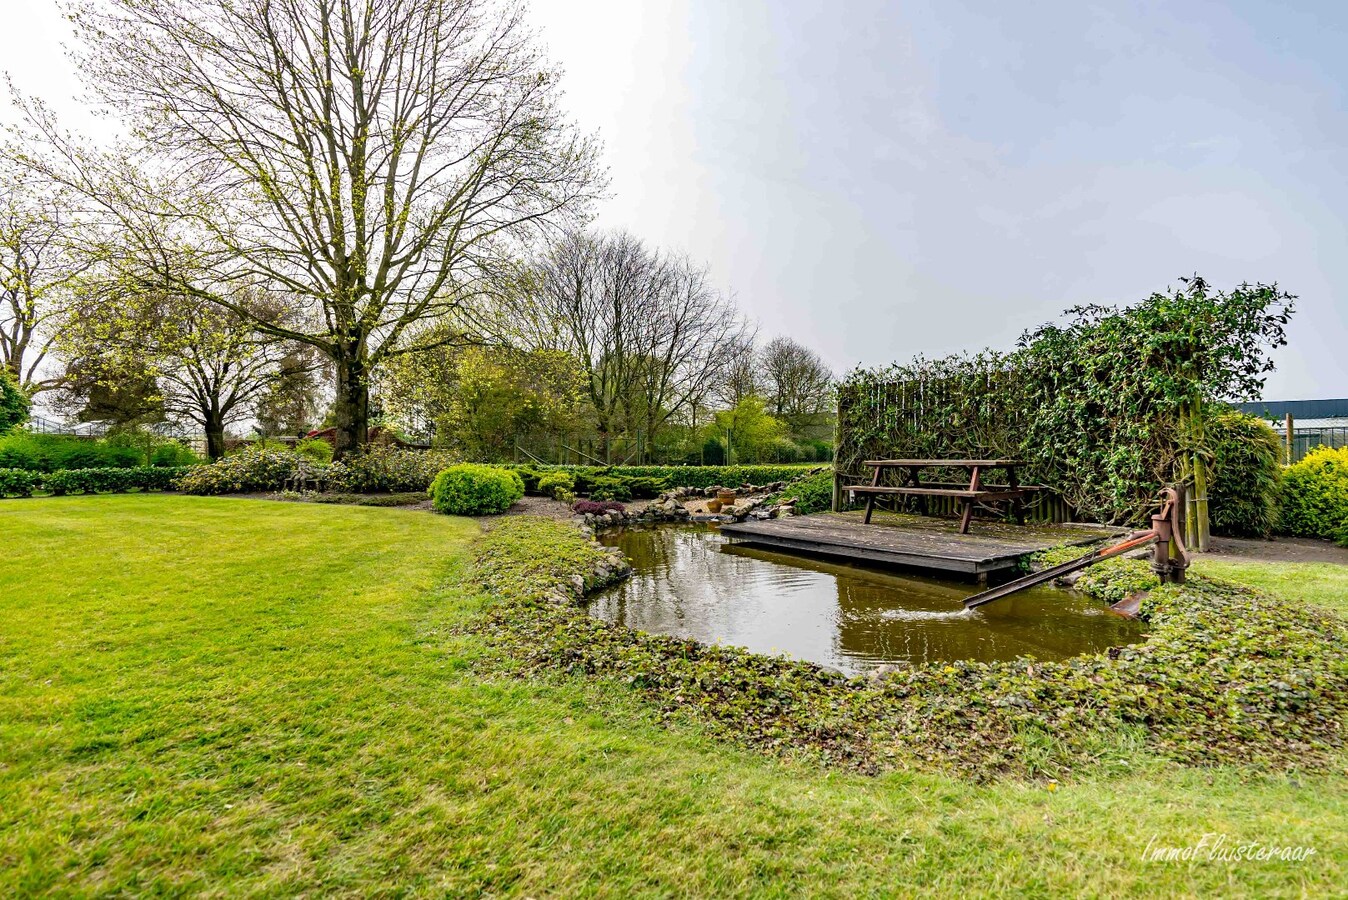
column 1288, row 423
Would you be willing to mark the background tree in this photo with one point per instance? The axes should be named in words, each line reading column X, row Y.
column 371, row 162
column 650, row 334
column 290, row 403
column 14, row 403
column 39, row 263
column 798, row 385
column 177, row 357
column 750, row 430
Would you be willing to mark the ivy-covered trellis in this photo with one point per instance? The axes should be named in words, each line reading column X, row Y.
column 1104, row 409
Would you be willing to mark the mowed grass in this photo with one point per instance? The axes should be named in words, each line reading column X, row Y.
column 227, row 696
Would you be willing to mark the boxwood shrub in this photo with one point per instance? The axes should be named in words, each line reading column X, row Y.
column 555, row 484
column 471, row 489
column 113, row 480
column 1314, row 496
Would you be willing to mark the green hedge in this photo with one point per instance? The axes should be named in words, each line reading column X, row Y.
column 22, row 483
column 55, row 452
column 1244, row 479
column 471, row 489
column 671, row 476
column 1314, row 496
column 19, row 482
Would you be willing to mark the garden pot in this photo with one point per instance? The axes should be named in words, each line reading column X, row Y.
column 713, row 506
column 727, row 497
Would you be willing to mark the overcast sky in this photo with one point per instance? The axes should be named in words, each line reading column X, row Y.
column 882, row 179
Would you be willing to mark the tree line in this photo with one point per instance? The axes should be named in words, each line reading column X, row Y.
column 359, row 214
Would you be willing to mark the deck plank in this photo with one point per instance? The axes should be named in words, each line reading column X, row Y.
column 909, row 541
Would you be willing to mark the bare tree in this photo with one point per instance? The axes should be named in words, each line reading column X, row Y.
column 798, row 384
column 650, row 332
column 39, row 265
column 369, row 161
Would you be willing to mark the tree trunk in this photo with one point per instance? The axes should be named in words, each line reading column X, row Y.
column 351, row 408
column 215, row 440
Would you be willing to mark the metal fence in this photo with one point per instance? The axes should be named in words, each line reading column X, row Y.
column 1306, row 439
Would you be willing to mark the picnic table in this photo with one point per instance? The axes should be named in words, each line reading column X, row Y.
column 967, row 493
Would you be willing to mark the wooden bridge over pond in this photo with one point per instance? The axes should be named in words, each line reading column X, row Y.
column 917, row 542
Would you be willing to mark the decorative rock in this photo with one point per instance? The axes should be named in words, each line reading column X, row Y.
column 577, row 584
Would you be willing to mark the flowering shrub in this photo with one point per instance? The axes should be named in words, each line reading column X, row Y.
column 249, row 470
column 469, row 489
column 387, row 470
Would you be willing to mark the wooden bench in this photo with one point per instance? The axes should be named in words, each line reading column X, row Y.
column 968, row 494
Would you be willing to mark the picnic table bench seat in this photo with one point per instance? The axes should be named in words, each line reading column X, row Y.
column 969, row 494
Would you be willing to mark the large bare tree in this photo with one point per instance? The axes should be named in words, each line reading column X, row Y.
column 650, row 332
column 369, row 159
column 798, row 383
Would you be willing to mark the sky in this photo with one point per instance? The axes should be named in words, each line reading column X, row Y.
column 884, row 179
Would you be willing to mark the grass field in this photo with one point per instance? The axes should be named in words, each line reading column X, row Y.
column 229, row 696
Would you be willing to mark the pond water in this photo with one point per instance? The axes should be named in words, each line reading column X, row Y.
column 691, row 581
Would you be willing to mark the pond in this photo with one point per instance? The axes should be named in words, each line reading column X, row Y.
column 691, row 581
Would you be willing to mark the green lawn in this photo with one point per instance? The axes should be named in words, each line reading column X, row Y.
column 231, row 696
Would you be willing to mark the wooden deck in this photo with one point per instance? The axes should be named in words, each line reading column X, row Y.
column 989, row 551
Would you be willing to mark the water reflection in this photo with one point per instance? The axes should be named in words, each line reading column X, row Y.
column 692, row 582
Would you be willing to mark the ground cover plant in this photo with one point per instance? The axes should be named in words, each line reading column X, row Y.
column 204, row 694
column 1227, row 675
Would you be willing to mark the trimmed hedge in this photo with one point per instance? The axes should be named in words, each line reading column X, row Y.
column 671, row 476
column 22, row 483
column 1314, row 496
column 471, row 489
column 813, row 493
column 1246, row 470
column 19, row 482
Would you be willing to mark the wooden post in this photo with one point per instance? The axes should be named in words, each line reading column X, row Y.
column 1288, row 423
column 1203, row 532
column 837, row 489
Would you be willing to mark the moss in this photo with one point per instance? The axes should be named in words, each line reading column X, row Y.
column 1227, row 675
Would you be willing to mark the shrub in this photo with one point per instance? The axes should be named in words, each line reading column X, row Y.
column 381, row 470
column 1314, row 496
column 315, row 450
column 813, row 493
column 18, row 482
column 14, row 403
column 173, row 454
column 603, row 487
column 555, row 484
column 1245, row 475
column 470, row 489
column 248, row 470
column 596, row 507
column 529, row 474
column 107, row 480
